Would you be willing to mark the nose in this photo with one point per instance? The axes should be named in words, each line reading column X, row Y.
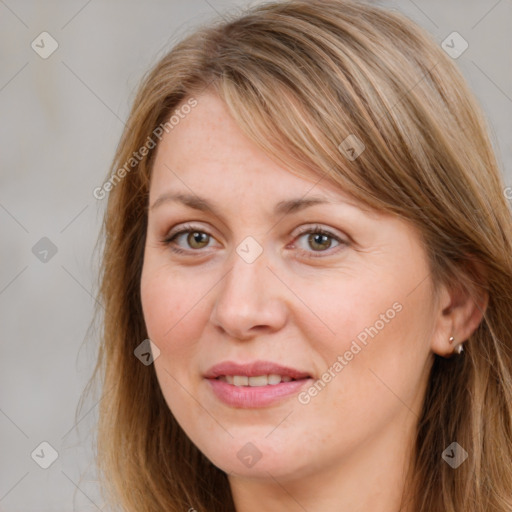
column 250, row 300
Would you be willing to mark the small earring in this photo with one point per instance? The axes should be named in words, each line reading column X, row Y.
column 459, row 348
column 451, row 340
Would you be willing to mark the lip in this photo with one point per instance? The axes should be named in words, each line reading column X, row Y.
column 248, row 397
column 253, row 369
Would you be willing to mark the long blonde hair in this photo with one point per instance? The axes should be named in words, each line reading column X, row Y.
column 299, row 78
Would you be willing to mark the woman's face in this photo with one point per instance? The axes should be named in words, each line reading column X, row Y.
column 350, row 310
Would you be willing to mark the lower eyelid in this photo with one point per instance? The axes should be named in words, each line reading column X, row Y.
column 170, row 240
column 331, row 250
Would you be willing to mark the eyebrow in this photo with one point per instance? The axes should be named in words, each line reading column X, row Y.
column 199, row 203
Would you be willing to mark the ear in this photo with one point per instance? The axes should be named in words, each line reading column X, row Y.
column 458, row 312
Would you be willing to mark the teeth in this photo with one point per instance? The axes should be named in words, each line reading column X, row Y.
column 240, row 380
column 274, row 379
column 259, row 380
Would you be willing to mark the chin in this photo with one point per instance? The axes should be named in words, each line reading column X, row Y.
column 259, row 458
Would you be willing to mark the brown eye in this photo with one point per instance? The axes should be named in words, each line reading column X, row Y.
column 316, row 241
column 319, row 241
column 197, row 239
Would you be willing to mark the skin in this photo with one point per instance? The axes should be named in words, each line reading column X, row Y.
column 348, row 447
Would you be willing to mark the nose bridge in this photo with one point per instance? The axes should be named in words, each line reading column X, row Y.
column 249, row 267
column 248, row 296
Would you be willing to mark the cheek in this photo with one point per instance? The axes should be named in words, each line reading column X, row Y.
column 344, row 308
column 386, row 377
column 379, row 329
column 171, row 308
column 173, row 318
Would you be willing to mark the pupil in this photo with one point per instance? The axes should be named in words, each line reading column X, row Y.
column 318, row 237
column 197, row 236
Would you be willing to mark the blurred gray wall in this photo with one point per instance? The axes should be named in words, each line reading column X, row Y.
column 61, row 118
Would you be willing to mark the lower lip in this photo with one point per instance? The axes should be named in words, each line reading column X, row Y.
column 247, row 397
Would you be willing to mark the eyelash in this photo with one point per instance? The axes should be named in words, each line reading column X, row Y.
column 187, row 228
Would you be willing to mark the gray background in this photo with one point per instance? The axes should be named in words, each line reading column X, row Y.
column 61, row 119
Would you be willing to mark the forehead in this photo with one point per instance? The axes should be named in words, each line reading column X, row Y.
column 207, row 153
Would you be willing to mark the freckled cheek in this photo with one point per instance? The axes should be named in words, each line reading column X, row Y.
column 340, row 308
column 173, row 319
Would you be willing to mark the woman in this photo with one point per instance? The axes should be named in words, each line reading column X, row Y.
column 306, row 276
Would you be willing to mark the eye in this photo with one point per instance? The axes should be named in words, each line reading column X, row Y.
column 196, row 238
column 319, row 240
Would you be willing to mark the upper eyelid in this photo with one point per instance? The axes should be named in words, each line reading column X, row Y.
column 189, row 227
column 304, row 229
column 185, row 228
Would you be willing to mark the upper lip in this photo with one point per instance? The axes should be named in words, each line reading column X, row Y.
column 253, row 369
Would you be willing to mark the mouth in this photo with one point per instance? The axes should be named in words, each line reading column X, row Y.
column 255, row 373
column 256, row 384
column 257, row 380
